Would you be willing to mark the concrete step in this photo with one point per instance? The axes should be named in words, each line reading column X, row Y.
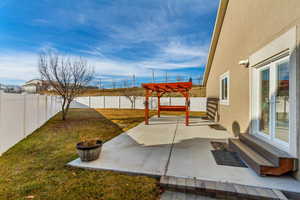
column 252, row 158
column 219, row 190
column 266, row 150
column 260, row 164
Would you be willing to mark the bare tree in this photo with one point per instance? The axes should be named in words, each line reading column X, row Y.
column 130, row 94
column 69, row 77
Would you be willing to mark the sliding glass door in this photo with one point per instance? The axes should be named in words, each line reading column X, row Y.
column 264, row 123
column 273, row 102
column 282, row 102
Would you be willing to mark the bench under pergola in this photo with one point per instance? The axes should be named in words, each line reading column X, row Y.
column 160, row 89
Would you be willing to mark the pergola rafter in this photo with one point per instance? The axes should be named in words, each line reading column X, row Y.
column 160, row 89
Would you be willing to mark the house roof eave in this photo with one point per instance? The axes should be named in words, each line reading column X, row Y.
column 215, row 38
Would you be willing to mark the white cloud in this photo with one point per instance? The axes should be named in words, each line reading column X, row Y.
column 23, row 65
column 18, row 66
column 124, row 25
column 40, row 21
column 176, row 48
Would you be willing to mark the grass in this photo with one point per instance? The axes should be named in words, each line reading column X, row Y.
column 35, row 167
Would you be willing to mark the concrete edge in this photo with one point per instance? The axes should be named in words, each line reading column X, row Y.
column 131, row 173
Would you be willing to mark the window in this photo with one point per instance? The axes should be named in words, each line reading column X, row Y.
column 224, row 89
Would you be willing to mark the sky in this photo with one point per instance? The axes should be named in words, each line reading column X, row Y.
column 119, row 38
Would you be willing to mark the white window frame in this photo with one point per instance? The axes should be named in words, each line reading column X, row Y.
column 226, row 75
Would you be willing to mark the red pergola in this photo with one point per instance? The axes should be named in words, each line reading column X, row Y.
column 161, row 89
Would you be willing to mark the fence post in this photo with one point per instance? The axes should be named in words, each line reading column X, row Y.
column 119, row 102
column 37, row 110
column 46, row 108
column 24, row 115
column 51, row 106
column 103, row 101
column 89, row 101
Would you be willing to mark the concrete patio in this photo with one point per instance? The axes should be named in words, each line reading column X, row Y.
column 168, row 147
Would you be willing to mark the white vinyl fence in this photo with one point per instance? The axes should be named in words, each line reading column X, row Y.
column 21, row 114
column 197, row 103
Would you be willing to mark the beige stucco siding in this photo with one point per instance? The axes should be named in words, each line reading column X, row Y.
column 248, row 26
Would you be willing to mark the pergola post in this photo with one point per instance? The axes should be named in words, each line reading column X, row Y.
column 187, row 110
column 147, row 107
column 158, row 105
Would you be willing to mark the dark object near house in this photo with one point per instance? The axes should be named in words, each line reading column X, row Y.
column 89, row 152
column 219, row 145
column 217, row 127
column 223, row 157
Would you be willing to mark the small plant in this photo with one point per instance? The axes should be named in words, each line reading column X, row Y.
column 88, row 142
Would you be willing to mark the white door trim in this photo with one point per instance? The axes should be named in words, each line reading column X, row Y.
column 271, row 136
column 276, row 49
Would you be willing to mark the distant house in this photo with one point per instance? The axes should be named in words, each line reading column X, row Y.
column 2, row 87
column 253, row 72
column 36, row 85
column 10, row 88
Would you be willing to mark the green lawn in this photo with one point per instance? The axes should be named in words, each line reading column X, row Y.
column 35, row 167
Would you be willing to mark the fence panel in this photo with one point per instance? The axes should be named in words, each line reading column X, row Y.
column 42, row 110
column 139, row 103
column 197, row 103
column 97, row 102
column 83, row 100
column 177, row 101
column 21, row 114
column 12, row 120
column 125, row 103
column 31, row 113
column 111, row 102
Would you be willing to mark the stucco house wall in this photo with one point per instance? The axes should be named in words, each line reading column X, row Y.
column 248, row 26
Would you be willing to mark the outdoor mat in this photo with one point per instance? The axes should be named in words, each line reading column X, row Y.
column 223, row 157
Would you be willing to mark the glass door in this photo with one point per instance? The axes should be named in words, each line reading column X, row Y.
column 264, row 123
column 273, row 103
column 281, row 103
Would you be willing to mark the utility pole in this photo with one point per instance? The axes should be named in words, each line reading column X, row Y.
column 153, row 80
column 166, row 77
column 125, row 83
column 100, row 83
column 113, row 84
column 133, row 81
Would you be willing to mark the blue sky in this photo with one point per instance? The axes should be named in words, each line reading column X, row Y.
column 120, row 38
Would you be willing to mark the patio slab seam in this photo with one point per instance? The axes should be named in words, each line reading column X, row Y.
column 171, row 150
